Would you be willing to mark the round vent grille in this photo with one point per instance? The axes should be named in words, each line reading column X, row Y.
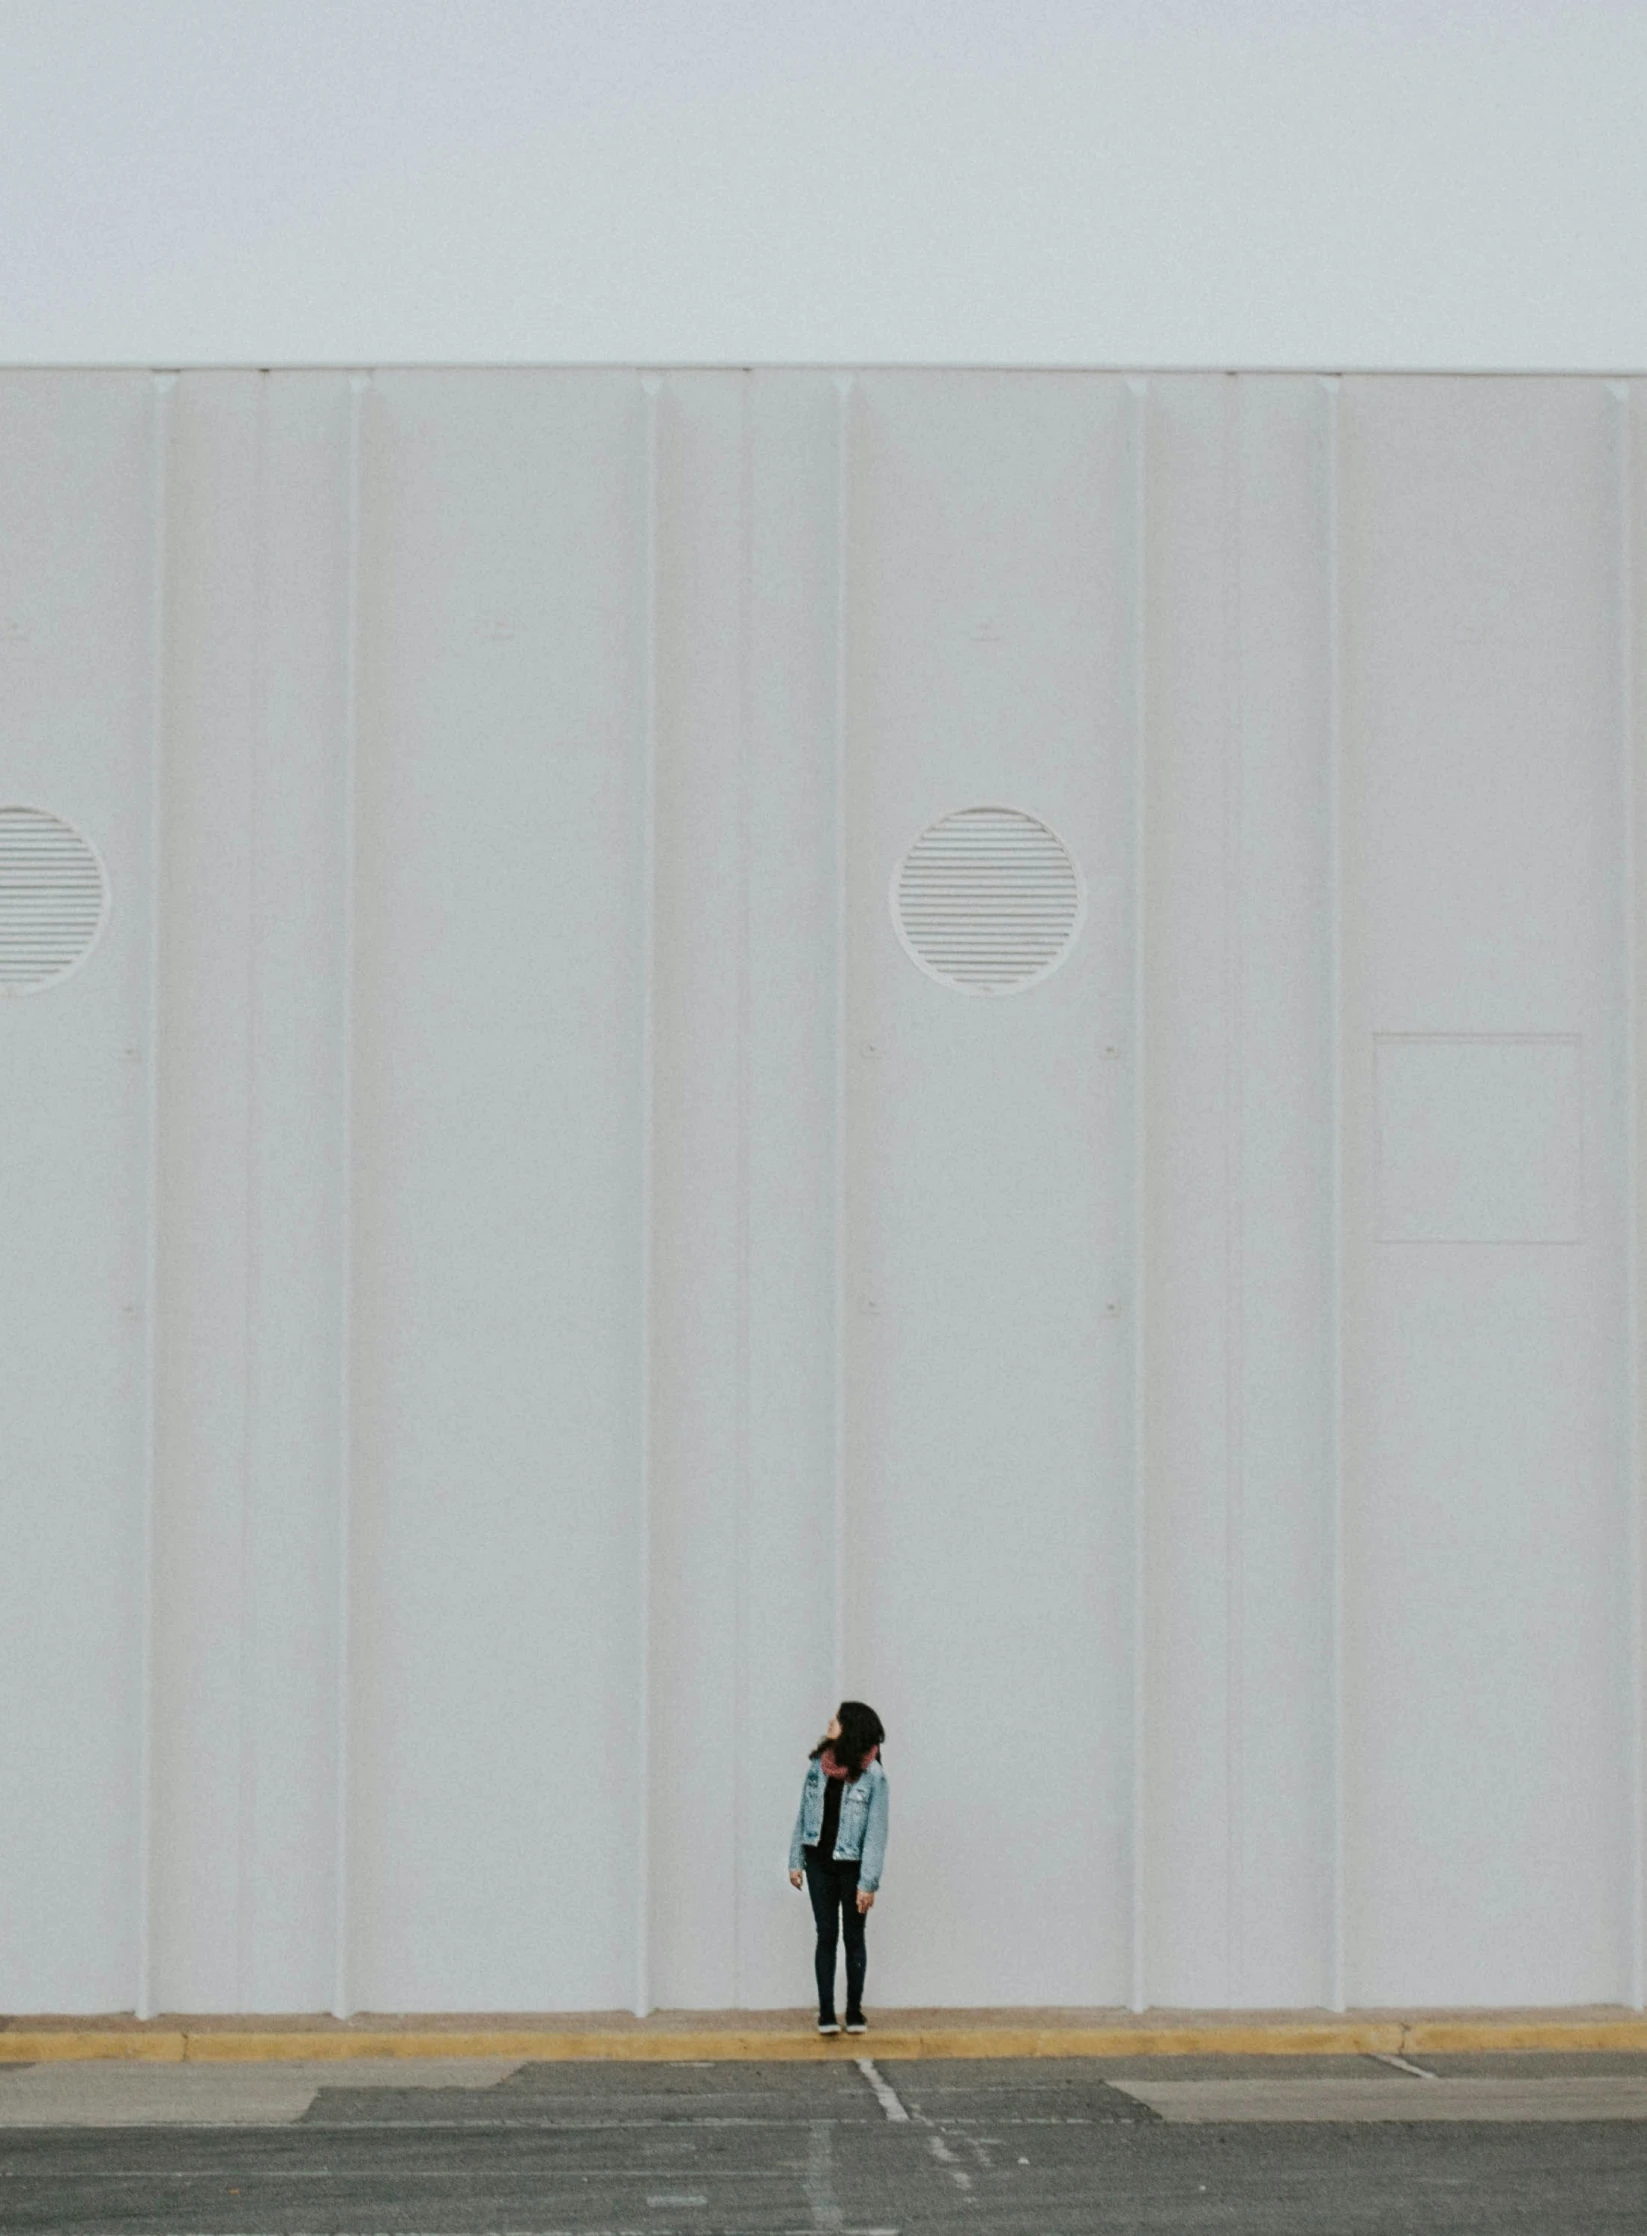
column 988, row 900
column 52, row 899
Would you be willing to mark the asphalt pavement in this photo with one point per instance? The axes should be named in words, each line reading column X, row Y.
column 1495, row 2145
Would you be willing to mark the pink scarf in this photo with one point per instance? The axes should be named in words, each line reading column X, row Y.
column 833, row 1769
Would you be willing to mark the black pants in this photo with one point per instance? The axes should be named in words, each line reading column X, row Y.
column 834, row 1890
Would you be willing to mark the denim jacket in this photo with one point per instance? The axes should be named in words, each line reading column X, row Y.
column 862, row 1837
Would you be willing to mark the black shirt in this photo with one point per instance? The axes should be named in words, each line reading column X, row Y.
column 829, row 1830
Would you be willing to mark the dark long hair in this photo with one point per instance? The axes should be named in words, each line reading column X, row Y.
column 861, row 1729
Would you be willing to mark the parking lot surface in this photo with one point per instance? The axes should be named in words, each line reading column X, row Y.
column 1498, row 2144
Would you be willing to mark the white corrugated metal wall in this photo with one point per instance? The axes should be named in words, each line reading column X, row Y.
column 518, row 1291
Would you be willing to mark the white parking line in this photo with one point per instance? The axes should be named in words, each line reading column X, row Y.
column 885, row 2094
column 819, row 2183
column 947, row 2160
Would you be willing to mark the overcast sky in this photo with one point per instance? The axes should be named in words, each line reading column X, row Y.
column 1208, row 182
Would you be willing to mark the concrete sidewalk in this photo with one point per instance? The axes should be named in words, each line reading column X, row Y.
column 718, row 2035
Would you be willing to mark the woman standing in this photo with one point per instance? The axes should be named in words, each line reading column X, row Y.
column 839, row 1845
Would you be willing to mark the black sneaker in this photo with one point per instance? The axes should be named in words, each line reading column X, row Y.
column 828, row 2026
column 855, row 2023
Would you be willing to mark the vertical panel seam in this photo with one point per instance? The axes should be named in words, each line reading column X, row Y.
column 1234, row 1207
column 843, row 526
column 1619, row 393
column 342, row 1771
column 245, row 1890
column 741, row 1427
column 1138, row 391
column 159, row 437
column 651, row 387
column 1337, row 1432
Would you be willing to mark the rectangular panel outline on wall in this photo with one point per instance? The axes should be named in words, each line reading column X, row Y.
column 1575, row 1041
column 1419, row 462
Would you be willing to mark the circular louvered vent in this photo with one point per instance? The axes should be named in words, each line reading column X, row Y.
column 52, row 899
column 988, row 900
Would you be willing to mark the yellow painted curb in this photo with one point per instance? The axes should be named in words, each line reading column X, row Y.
column 19, row 2046
column 223, row 2045
column 727, row 2044
column 1441, row 2035
column 1348, row 2037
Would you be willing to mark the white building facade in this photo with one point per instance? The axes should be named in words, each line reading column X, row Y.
column 569, row 1199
